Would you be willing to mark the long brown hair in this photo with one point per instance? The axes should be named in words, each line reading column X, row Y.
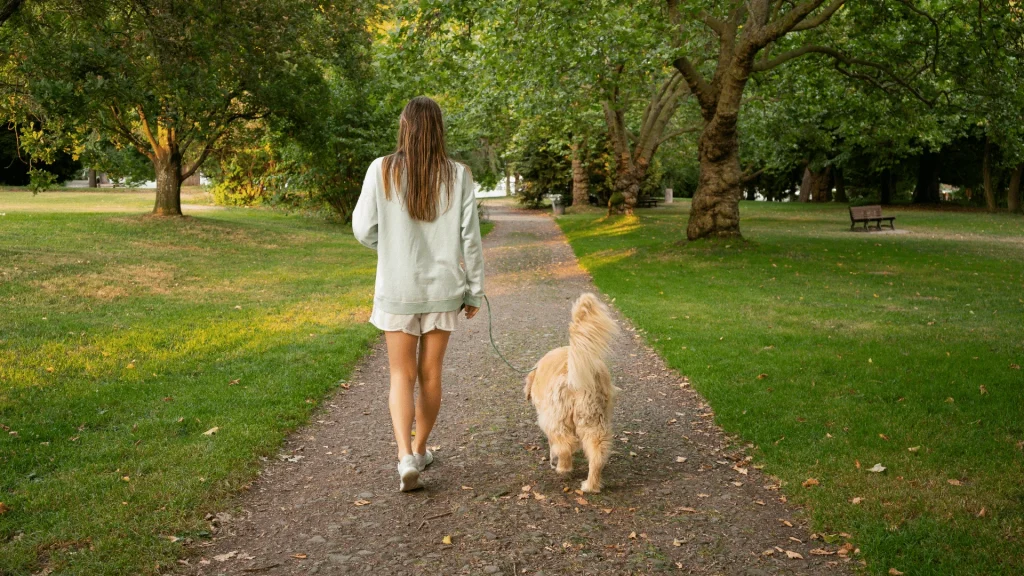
column 420, row 160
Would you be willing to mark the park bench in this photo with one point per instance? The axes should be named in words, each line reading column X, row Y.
column 647, row 202
column 867, row 214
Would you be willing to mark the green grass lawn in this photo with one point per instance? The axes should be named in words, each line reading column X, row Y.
column 123, row 338
column 833, row 351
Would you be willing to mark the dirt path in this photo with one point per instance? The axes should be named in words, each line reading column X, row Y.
column 336, row 509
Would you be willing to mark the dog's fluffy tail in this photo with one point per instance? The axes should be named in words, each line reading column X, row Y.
column 590, row 334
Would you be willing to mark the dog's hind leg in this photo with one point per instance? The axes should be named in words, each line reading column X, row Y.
column 562, row 447
column 597, row 445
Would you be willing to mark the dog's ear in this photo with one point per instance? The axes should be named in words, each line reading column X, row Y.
column 529, row 384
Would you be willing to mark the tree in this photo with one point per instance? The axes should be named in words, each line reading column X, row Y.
column 170, row 77
column 745, row 32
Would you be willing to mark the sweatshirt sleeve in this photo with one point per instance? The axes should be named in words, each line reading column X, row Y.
column 472, row 247
column 364, row 217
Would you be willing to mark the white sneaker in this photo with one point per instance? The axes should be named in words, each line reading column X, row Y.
column 409, row 474
column 424, row 460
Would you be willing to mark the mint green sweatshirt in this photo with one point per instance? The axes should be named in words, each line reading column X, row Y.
column 422, row 266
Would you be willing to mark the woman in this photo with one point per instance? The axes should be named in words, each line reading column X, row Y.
column 418, row 210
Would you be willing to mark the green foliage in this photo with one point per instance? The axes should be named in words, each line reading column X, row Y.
column 545, row 168
column 190, row 72
column 41, row 180
column 823, row 347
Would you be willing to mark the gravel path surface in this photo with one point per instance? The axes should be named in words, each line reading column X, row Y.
column 679, row 496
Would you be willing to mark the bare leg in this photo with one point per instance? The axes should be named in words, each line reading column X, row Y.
column 433, row 345
column 402, row 360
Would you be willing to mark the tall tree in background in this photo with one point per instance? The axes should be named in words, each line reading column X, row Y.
column 170, row 77
column 743, row 34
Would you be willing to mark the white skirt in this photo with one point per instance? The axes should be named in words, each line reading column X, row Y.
column 414, row 324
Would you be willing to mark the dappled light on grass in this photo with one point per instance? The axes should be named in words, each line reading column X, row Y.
column 833, row 351
column 124, row 339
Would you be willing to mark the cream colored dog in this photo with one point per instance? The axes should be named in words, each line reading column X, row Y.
column 571, row 388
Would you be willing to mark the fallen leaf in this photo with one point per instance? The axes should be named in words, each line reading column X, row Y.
column 740, row 470
column 299, row 556
column 821, row 552
column 786, row 522
column 981, row 513
column 762, row 376
column 212, row 431
column 768, row 552
column 680, row 459
column 538, row 496
column 1015, row 366
column 607, row 510
column 810, row 482
column 895, row 572
column 633, row 454
column 877, row 468
column 687, row 509
column 883, row 437
column 632, row 535
column 235, row 381
column 361, row 502
column 856, row 500
column 526, row 488
column 467, row 487
column 983, row 390
column 913, row 449
column 172, row 539
column 226, row 557
column 126, row 478
column 676, row 542
column 582, row 501
column 954, row 482
column 447, row 540
column 793, row 555
column 949, row 400
column 4, row 508
column 702, row 495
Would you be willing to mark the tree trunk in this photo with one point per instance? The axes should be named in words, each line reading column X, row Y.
column 168, row 184
column 1013, row 196
column 986, row 175
column 628, row 178
column 508, row 183
column 927, row 189
column 885, row 193
column 92, row 178
column 715, row 210
column 815, row 186
column 580, row 181
column 840, row 187
column 805, row 185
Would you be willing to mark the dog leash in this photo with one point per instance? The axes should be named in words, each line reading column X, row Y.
column 490, row 334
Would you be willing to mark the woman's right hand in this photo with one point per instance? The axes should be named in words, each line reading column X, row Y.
column 471, row 311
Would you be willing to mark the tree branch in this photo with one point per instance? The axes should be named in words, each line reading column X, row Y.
column 841, row 58
column 121, row 128
column 147, row 131
column 786, row 22
column 820, row 18
column 698, row 85
column 679, row 132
